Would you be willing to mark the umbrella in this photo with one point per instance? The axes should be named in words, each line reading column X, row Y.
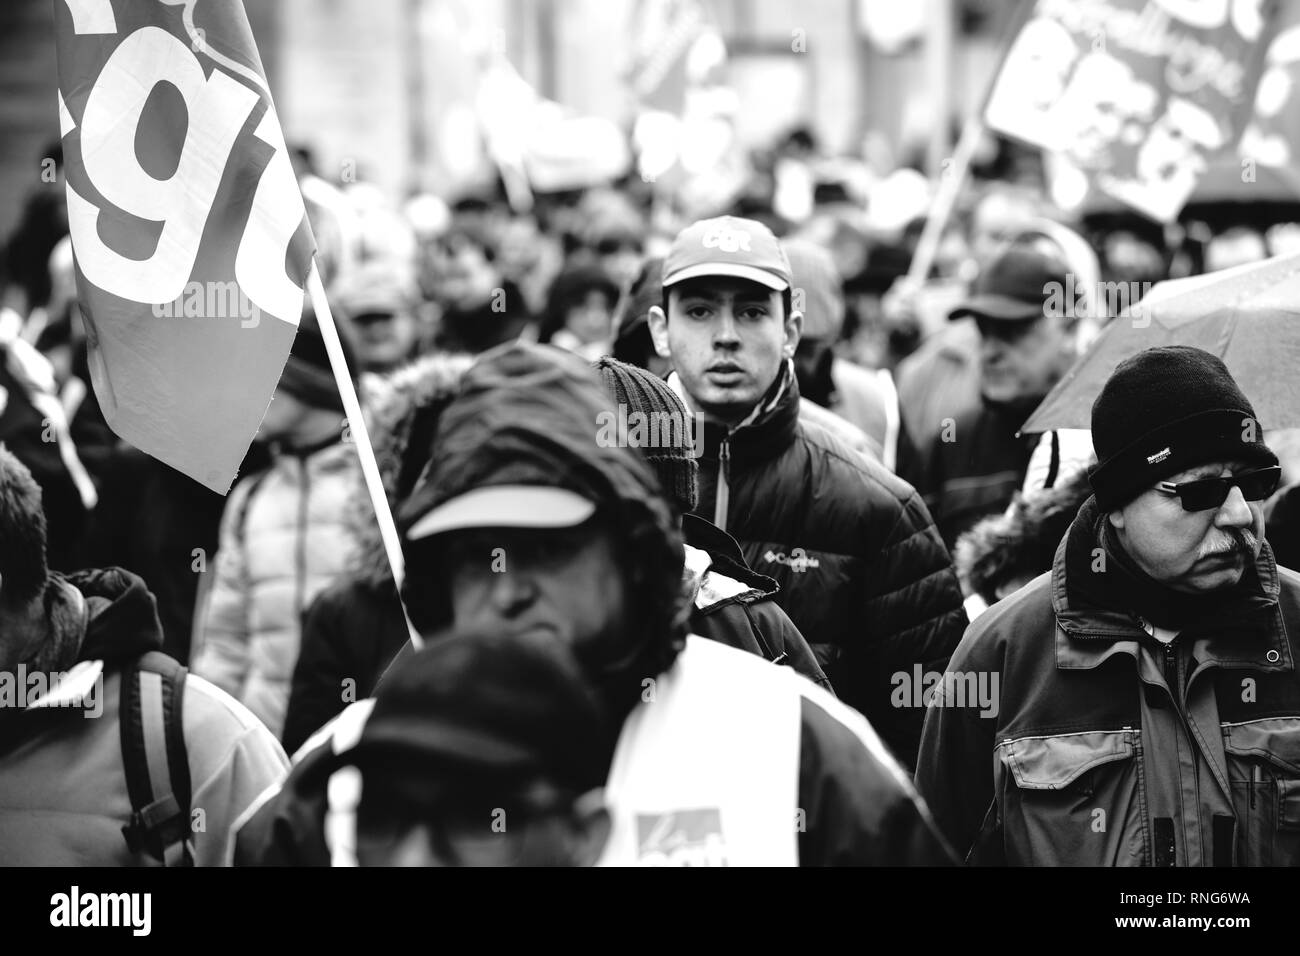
column 1249, row 316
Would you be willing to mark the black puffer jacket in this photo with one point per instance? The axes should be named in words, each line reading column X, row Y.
column 863, row 572
column 734, row 604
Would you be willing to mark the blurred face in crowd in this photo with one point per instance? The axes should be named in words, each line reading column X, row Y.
column 517, row 250
column 466, row 277
column 620, row 259
column 998, row 218
column 563, row 583
column 543, row 826
column 591, row 317
column 1021, row 360
column 1192, row 551
column 727, row 339
column 385, row 339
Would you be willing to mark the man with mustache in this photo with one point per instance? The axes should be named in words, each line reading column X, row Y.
column 1149, row 710
column 862, row 570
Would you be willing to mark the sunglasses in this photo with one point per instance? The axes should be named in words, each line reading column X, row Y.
column 1207, row 493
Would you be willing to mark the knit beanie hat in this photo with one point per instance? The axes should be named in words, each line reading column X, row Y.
column 1163, row 411
column 663, row 421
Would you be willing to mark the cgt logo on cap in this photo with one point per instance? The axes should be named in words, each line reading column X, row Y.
column 726, row 239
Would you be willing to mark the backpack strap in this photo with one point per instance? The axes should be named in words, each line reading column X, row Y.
column 154, row 757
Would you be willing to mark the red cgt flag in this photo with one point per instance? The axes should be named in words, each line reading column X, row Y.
column 190, row 236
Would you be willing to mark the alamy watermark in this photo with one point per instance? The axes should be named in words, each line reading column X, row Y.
column 1116, row 300
column 211, row 300
column 920, row 688
column 24, row 689
column 622, row 428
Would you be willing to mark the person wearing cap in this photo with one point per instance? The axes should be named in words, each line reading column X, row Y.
column 482, row 750
column 977, row 462
column 862, row 570
column 1145, row 707
column 378, row 300
column 634, row 344
column 526, row 522
column 284, row 536
column 731, row 603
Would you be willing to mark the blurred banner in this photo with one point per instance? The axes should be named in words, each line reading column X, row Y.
column 189, row 231
column 1133, row 96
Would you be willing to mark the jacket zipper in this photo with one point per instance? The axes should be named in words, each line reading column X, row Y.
column 722, row 500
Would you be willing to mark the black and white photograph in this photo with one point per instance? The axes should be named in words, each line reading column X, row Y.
column 669, row 433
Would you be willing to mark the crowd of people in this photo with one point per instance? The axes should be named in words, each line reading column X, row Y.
column 817, row 600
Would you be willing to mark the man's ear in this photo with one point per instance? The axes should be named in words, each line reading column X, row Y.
column 1116, row 519
column 793, row 332
column 593, row 824
column 659, row 332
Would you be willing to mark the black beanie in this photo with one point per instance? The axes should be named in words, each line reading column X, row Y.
column 1163, row 411
column 636, row 390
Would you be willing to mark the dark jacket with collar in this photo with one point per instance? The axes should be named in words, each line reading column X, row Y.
column 735, row 605
column 1105, row 746
column 863, row 573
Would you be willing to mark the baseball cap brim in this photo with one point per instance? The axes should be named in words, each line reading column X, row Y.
column 505, row 506
column 736, row 270
column 1002, row 308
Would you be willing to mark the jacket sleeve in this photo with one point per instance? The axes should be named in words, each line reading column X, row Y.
column 324, row 663
column 914, row 604
column 233, row 760
column 858, row 806
column 223, row 632
column 954, row 770
column 777, row 631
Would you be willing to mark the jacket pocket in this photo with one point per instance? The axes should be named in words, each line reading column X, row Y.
column 1072, row 799
column 1264, row 770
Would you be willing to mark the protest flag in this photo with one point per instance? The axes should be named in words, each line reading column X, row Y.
column 191, row 240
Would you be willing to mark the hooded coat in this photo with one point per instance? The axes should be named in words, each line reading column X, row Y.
column 63, row 791
column 525, row 413
column 1100, row 745
column 863, row 573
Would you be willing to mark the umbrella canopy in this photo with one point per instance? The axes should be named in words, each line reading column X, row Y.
column 1248, row 316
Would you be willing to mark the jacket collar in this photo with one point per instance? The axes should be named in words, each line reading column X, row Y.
column 1097, row 622
column 770, row 428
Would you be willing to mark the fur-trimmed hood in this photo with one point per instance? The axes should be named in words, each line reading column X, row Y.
column 402, row 409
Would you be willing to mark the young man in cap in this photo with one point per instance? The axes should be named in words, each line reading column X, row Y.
column 863, row 572
column 732, row 604
column 284, row 536
column 1143, row 707
column 977, row 461
column 526, row 523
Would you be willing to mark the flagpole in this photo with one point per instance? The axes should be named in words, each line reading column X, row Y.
column 361, row 438
column 951, row 181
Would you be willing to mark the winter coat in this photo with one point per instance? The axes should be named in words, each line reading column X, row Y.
column 283, row 539
column 531, row 407
column 735, row 605
column 863, row 573
column 850, row 801
column 975, row 469
column 63, row 790
column 1094, row 743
